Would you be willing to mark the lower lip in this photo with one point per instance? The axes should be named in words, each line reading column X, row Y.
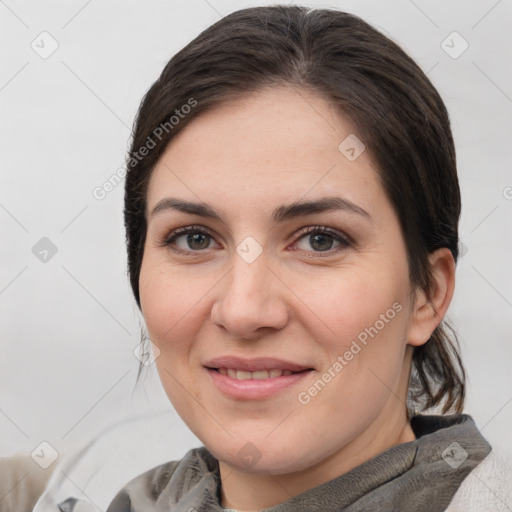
column 252, row 389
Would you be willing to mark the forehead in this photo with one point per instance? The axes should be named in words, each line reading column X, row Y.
column 278, row 144
column 272, row 124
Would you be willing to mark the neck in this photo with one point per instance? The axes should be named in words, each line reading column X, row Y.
column 250, row 492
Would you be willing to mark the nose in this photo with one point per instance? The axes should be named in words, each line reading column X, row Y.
column 251, row 300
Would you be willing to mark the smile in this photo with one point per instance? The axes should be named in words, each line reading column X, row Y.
column 254, row 378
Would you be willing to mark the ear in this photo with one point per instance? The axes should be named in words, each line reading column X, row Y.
column 430, row 308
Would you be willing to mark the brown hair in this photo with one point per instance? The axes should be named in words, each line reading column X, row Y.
column 397, row 111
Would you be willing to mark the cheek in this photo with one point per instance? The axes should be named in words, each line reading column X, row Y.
column 169, row 300
column 168, row 304
column 356, row 302
column 360, row 320
column 367, row 344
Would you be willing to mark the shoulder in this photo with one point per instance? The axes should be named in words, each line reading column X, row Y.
column 487, row 487
column 142, row 493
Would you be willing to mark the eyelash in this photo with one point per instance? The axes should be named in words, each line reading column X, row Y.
column 345, row 242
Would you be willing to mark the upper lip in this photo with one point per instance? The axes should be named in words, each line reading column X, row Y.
column 255, row 364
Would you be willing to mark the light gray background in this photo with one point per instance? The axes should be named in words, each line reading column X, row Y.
column 69, row 326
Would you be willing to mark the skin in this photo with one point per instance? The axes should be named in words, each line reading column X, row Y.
column 294, row 302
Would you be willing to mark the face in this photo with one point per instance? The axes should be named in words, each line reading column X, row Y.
column 282, row 318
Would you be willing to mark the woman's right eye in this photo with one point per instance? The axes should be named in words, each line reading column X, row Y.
column 188, row 239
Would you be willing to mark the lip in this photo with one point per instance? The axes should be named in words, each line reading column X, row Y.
column 251, row 389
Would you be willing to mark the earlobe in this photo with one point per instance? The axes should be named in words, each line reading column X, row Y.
column 430, row 308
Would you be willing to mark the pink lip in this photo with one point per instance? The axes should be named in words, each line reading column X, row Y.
column 252, row 388
column 254, row 365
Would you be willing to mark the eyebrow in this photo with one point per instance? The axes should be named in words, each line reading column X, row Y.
column 280, row 214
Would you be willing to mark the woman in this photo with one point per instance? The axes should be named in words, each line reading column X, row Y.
column 291, row 209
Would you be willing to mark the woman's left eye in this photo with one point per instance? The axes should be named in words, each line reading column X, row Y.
column 322, row 239
column 195, row 239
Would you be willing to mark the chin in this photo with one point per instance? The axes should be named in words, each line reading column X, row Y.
column 249, row 458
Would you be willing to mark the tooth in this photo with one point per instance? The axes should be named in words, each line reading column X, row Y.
column 263, row 374
column 259, row 375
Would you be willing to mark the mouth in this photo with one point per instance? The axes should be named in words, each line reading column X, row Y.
column 251, row 379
